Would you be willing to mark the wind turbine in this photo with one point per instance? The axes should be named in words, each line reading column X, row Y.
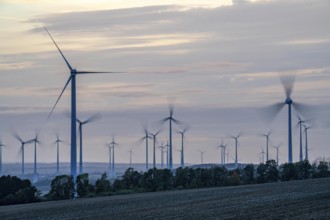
column 130, row 158
column 146, row 137
column 267, row 143
column 36, row 141
column 236, row 143
column 81, row 123
column 113, row 144
column 171, row 119
column 154, row 136
column 110, row 163
column 306, row 141
column 202, row 154
column 167, row 155
column 222, row 147
column 300, row 124
column 162, row 150
column 277, row 150
column 57, row 142
column 22, row 148
column 182, row 149
column 287, row 82
column 72, row 78
column 262, row 155
column 1, row 145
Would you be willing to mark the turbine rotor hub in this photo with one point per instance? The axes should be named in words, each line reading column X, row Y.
column 288, row 101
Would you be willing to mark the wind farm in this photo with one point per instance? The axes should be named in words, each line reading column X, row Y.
column 226, row 65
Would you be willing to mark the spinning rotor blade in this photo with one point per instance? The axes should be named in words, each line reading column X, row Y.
column 288, row 83
column 59, row 97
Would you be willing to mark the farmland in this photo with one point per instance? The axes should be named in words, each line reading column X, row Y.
column 303, row 199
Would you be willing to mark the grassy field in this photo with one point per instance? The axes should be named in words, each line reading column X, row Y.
column 303, row 199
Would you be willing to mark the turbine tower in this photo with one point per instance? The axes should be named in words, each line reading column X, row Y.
column 57, row 142
column 287, row 82
column 167, row 155
column 202, row 155
column 300, row 124
column 81, row 123
column 154, row 136
column 236, row 143
column 72, row 78
column 146, row 137
column 267, row 143
column 162, row 150
column 36, row 141
column 277, row 151
column 306, row 141
column 222, row 147
column 110, row 163
column 182, row 148
column 1, row 145
column 22, row 148
column 171, row 119
column 130, row 157
column 113, row 144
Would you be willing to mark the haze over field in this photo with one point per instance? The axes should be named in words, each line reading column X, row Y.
column 220, row 61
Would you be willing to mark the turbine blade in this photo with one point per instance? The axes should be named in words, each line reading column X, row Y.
column 15, row 135
column 87, row 72
column 270, row 112
column 94, row 117
column 177, row 121
column 171, row 102
column 305, row 110
column 66, row 61
column 288, row 83
column 59, row 97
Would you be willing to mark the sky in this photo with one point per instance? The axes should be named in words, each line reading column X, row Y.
column 219, row 62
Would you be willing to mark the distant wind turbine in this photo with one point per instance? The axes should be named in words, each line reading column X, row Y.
column 182, row 148
column 72, row 78
column 300, row 124
column 22, row 148
column 162, row 150
column 236, row 143
column 113, row 171
column 110, row 163
column 262, row 155
column 1, row 146
column 81, row 123
column 171, row 119
column 306, row 141
column 202, row 155
column 267, row 143
column 167, row 155
column 287, row 82
column 57, row 142
column 277, row 151
column 130, row 157
column 222, row 147
column 35, row 174
column 146, row 137
column 154, row 137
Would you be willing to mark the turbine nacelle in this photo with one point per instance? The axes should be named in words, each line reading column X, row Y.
column 288, row 101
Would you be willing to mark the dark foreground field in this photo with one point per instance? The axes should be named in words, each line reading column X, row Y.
column 303, row 199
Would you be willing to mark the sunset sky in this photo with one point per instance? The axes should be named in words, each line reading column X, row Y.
column 219, row 60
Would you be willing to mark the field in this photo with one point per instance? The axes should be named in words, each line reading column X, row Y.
column 303, row 199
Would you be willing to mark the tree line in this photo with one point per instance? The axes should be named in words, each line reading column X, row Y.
column 14, row 190
column 154, row 180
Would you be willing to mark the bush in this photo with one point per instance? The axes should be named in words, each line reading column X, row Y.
column 62, row 187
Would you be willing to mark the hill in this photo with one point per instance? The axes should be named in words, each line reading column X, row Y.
column 303, row 199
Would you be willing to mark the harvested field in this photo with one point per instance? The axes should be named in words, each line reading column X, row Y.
column 303, row 199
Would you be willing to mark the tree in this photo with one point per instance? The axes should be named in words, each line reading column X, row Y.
column 234, row 179
column 131, row 179
column 303, row 169
column 288, row 172
column 322, row 170
column 261, row 173
column 62, row 187
column 83, row 185
column 13, row 190
column 248, row 174
column 272, row 173
column 102, row 184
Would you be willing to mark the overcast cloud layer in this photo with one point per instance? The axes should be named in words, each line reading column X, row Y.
column 221, row 65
